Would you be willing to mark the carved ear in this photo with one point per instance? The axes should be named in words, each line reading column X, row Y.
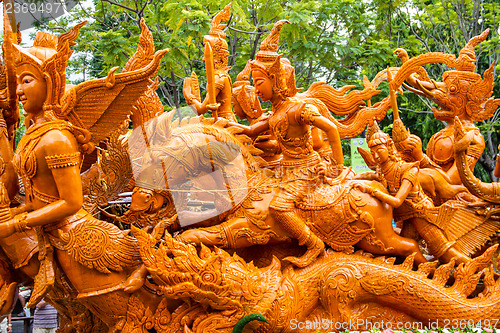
column 367, row 156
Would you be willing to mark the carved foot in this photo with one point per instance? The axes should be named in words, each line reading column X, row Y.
column 314, row 248
column 136, row 280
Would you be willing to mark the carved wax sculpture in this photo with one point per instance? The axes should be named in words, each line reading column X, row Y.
column 219, row 83
column 446, row 229
column 463, row 94
column 78, row 255
column 282, row 245
column 273, row 212
column 246, row 105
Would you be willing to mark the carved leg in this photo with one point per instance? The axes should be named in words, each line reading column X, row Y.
column 297, row 228
column 439, row 245
column 234, row 233
column 111, row 308
column 384, row 240
column 211, row 236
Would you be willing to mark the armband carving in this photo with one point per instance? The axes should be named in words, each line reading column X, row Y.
column 308, row 114
column 21, row 224
column 63, row 160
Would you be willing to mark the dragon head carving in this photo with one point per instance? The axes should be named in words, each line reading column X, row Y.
column 211, row 277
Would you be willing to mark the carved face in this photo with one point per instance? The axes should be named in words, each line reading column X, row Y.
column 452, row 98
column 380, row 153
column 220, row 50
column 141, row 199
column 263, row 85
column 31, row 88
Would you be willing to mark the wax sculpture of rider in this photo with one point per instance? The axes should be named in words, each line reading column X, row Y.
column 406, row 194
column 291, row 122
column 223, row 85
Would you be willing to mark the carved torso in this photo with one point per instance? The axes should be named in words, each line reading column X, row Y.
column 27, row 162
column 292, row 146
column 223, row 84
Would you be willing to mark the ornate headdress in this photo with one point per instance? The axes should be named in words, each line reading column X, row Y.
column 375, row 137
column 216, row 37
column 479, row 104
column 50, row 54
column 279, row 70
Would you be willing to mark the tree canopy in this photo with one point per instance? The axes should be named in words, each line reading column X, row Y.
column 333, row 41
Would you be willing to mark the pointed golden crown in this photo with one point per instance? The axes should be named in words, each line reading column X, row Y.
column 217, row 27
column 269, row 46
column 244, row 75
column 466, row 60
column 50, row 54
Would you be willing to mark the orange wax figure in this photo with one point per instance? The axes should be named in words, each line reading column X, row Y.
column 219, row 84
column 406, row 195
column 463, row 94
column 95, row 256
column 291, row 124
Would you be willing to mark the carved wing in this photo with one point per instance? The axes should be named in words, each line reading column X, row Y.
column 101, row 105
column 99, row 245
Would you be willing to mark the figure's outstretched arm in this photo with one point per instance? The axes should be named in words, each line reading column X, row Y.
column 254, row 130
column 205, row 106
column 407, row 184
column 399, row 198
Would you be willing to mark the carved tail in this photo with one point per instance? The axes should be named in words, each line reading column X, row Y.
column 355, row 281
column 487, row 191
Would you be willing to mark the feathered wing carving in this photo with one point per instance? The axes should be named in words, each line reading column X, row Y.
column 103, row 104
column 110, row 175
column 99, row 245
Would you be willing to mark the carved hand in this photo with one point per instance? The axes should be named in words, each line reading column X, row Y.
column 213, row 107
column 364, row 188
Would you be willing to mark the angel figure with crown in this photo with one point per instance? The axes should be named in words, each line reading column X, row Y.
column 94, row 257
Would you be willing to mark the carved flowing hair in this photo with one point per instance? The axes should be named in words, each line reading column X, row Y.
column 277, row 69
